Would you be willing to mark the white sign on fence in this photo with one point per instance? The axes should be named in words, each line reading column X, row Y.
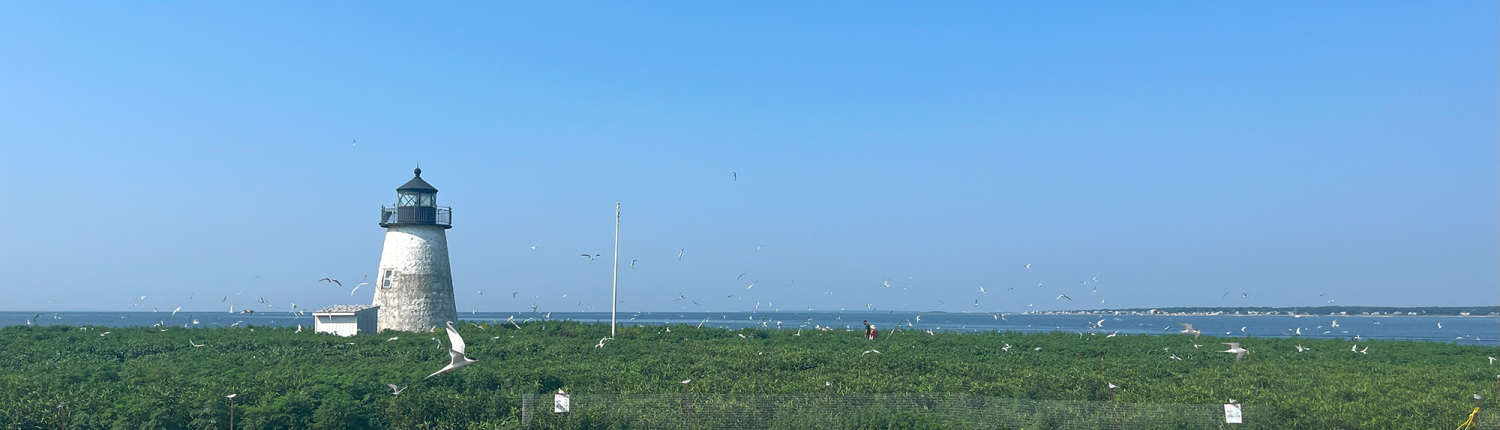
column 1232, row 414
column 560, row 403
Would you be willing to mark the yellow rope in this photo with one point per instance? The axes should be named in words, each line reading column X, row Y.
column 1469, row 424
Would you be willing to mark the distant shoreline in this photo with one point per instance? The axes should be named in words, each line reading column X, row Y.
column 1299, row 311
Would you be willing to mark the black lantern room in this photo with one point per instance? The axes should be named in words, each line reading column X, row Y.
column 416, row 204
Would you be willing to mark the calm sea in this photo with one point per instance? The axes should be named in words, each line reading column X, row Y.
column 1462, row 330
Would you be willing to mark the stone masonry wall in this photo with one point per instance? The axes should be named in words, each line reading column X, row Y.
column 420, row 294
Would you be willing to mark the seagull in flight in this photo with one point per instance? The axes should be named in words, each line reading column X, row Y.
column 356, row 287
column 459, row 360
column 1063, row 296
column 395, row 391
column 738, row 277
column 679, row 254
column 632, row 263
column 1188, row 328
column 323, row 280
column 680, row 296
column 736, row 175
column 870, row 351
column 590, row 257
column 1300, row 348
column 601, row 342
column 1234, row 348
column 195, row 344
column 981, row 289
column 1027, row 266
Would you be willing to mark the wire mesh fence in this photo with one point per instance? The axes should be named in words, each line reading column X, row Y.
column 864, row 411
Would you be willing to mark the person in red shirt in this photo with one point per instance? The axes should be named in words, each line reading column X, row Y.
column 872, row 333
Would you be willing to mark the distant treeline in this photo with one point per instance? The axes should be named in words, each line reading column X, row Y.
column 1325, row 310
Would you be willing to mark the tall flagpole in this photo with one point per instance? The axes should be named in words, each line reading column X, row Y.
column 614, row 293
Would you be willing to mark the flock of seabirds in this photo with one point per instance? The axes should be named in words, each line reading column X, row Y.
column 459, row 359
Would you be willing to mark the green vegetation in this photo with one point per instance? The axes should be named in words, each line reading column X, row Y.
column 150, row 378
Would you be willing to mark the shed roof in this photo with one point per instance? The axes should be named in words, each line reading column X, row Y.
column 344, row 308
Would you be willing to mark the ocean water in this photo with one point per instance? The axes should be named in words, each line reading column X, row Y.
column 1462, row 330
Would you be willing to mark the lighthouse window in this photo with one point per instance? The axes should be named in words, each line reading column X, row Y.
column 408, row 200
column 429, row 200
column 386, row 280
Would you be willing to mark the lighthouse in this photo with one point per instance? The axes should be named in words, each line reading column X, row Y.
column 414, row 288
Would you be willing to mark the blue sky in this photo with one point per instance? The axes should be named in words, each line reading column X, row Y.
column 1175, row 152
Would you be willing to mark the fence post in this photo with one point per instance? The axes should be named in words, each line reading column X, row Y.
column 828, row 402
column 527, row 401
column 687, row 402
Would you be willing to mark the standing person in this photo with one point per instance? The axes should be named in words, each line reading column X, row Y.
column 867, row 328
column 873, row 332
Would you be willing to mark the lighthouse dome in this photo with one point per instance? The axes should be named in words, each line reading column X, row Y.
column 417, row 184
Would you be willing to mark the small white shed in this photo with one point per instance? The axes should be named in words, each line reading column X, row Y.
column 346, row 320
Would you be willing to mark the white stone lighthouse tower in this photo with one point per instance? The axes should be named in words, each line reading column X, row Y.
column 414, row 288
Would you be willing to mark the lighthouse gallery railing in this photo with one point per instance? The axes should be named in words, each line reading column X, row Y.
column 423, row 215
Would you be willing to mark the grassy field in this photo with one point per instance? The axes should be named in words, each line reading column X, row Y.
column 150, row 378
